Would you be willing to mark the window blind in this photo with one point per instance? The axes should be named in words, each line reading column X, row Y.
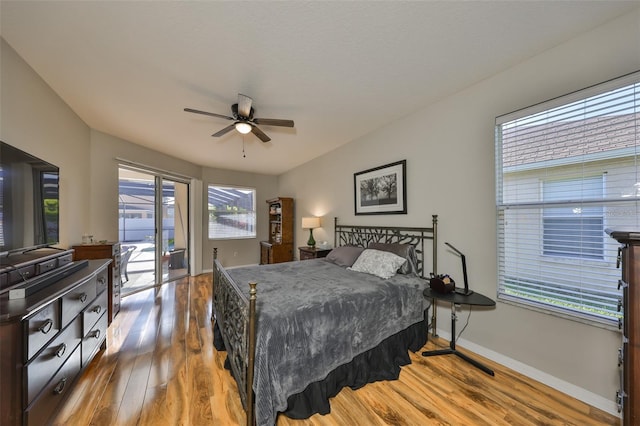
column 566, row 170
column 232, row 212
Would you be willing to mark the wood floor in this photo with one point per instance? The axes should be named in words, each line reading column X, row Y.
column 160, row 369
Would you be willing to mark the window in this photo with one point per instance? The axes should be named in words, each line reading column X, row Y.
column 566, row 170
column 573, row 231
column 232, row 212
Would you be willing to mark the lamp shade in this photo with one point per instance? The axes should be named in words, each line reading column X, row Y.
column 310, row 222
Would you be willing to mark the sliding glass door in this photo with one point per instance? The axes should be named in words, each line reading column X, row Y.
column 154, row 228
column 175, row 229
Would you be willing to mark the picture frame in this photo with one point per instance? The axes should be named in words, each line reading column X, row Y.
column 381, row 190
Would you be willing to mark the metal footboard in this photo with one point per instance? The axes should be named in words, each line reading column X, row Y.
column 235, row 316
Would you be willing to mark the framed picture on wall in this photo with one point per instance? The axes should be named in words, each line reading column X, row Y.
column 381, row 190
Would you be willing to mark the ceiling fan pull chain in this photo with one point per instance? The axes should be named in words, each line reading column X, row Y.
column 243, row 154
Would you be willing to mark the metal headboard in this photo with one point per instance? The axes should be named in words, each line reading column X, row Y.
column 362, row 236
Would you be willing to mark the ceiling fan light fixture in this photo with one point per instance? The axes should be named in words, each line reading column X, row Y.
column 243, row 128
column 243, row 120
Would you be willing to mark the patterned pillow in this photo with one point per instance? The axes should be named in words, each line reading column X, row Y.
column 406, row 251
column 383, row 264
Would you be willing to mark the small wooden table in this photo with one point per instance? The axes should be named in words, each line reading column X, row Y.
column 312, row 252
column 473, row 299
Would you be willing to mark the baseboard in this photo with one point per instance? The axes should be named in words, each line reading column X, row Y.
column 588, row 397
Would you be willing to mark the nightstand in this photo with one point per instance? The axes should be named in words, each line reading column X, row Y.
column 312, row 253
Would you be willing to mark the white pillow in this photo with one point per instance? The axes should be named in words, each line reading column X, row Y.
column 383, row 264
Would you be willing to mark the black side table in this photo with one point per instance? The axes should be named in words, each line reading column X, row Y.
column 473, row 299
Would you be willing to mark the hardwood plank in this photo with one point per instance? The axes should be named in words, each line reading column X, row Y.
column 176, row 397
column 134, row 315
column 160, row 368
column 198, row 370
column 157, row 408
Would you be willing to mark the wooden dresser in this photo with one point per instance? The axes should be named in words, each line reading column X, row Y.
column 47, row 340
column 628, row 397
column 105, row 251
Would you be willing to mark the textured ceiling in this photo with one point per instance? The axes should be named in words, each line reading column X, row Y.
column 338, row 69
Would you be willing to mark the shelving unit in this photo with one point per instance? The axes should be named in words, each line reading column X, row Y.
column 279, row 247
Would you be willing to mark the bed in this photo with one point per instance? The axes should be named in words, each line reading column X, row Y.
column 322, row 324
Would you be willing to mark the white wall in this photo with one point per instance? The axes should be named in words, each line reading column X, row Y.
column 104, row 189
column 244, row 251
column 449, row 148
column 34, row 119
column 105, row 152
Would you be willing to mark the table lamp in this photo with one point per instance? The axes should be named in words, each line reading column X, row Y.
column 310, row 223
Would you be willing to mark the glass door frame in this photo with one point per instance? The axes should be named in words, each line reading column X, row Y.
column 161, row 249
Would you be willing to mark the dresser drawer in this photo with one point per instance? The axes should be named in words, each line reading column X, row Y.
column 77, row 299
column 102, row 281
column 93, row 339
column 115, row 304
column 46, row 266
column 43, row 367
column 21, row 274
column 306, row 255
column 41, row 327
column 116, row 284
column 115, row 297
column 93, row 312
column 40, row 411
column 63, row 260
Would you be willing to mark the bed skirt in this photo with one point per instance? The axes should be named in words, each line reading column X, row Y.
column 382, row 362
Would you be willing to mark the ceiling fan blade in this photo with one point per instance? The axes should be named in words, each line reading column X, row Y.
column 273, row 122
column 224, row 131
column 195, row 111
column 259, row 133
column 244, row 105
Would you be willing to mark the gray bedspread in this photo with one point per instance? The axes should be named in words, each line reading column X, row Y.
column 313, row 316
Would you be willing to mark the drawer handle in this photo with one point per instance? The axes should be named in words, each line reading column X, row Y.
column 620, row 356
column 620, row 304
column 97, row 309
column 83, row 297
column 46, row 327
column 619, row 258
column 61, row 350
column 60, row 386
column 102, row 281
column 96, row 334
column 620, row 395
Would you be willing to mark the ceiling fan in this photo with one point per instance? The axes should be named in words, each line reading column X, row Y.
column 244, row 121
